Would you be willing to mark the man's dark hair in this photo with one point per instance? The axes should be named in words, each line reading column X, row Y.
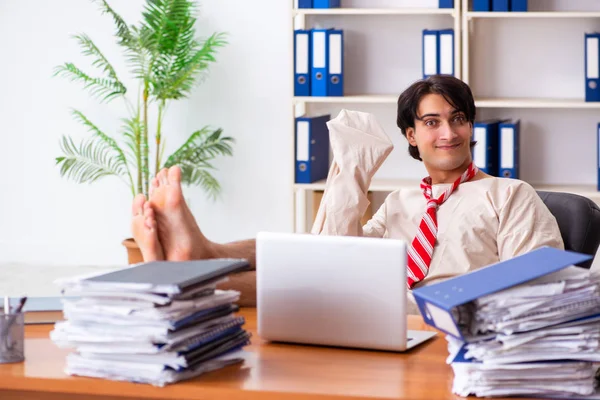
column 453, row 90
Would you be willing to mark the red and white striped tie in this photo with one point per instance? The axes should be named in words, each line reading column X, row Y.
column 421, row 248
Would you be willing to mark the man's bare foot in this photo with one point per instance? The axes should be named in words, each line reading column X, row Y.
column 178, row 231
column 143, row 227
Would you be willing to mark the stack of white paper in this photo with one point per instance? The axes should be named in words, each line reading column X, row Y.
column 146, row 334
column 541, row 338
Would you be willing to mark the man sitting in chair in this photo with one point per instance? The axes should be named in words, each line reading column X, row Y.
column 463, row 219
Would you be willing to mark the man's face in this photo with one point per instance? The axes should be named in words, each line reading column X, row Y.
column 442, row 135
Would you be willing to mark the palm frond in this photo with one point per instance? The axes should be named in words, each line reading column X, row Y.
column 126, row 38
column 119, row 156
column 194, row 174
column 105, row 89
column 202, row 146
column 89, row 161
column 90, row 49
column 186, row 66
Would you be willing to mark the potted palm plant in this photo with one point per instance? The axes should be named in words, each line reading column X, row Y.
column 165, row 60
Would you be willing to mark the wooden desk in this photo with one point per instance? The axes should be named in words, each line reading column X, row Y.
column 270, row 371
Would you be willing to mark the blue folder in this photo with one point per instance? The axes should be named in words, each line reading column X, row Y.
column 335, row 62
column 305, row 3
column 485, row 152
column 319, row 62
column 501, row 5
column 509, row 153
column 518, row 5
column 592, row 67
column 312, row 148
column 482, row 5
column 302, row 62
column 445, row 51
column 446, row 4
column 437, row 301
column 326, row 3
column 430, row 52
column 598, row 155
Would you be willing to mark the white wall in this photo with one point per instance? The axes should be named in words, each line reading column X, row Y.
column 45, row 218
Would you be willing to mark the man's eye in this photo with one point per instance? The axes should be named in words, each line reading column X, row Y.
column 460, row 119
column 430, row 123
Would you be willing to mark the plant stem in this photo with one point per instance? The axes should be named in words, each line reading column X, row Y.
column 161, row 109
column 138, row 144
column 145, row 164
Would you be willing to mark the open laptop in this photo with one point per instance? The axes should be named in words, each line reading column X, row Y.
column 333, row 290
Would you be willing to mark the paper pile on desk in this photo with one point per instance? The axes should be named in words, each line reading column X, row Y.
column 541, row 338
column 152, row 332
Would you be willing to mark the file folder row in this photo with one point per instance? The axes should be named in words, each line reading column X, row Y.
column 500, row 5
column 592, row 66
column 318, row 3
column 318, row 62
column 312, row 148
column 336, row 3
column 438, row 52
column 497, row 150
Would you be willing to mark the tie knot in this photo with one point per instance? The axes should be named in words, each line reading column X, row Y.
column 432, row 203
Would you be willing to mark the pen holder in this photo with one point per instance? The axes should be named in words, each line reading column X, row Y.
column 12, row 337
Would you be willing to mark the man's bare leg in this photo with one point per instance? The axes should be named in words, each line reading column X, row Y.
column 182, row 239
column 143, row 227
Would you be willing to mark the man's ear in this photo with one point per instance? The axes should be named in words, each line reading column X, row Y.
column 410, row 136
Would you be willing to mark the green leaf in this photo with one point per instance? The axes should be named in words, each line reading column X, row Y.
column 193, row 174
column 186, row 67
column 104, row 89
column 88, row 162
column 119, row 155
column 123, row 31
column 195, row 156
column 90, row 49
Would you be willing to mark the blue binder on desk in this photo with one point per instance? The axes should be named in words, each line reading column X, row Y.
column 312, row 148
column 326, row 3
column 509, row 149
column 302, row 62
column 319, row 67
column 485, row 152
column 335, row 63
column 436, row 302
column 592, row 67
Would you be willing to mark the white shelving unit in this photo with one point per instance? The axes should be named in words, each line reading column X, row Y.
column 463, row 28
column 301, row 191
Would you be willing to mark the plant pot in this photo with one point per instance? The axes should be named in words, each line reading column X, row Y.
column 134, row 255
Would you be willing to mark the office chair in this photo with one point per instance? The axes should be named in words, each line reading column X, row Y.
column 578, row 219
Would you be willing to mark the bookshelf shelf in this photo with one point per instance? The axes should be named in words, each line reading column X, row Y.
column 388, row 185
column 481, row 102
column 373, row 11
column 374, row 98
column 534, row 14
column 535, row 103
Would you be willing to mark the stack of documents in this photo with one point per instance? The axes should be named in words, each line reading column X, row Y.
column 158, row 322
column 533, row 330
